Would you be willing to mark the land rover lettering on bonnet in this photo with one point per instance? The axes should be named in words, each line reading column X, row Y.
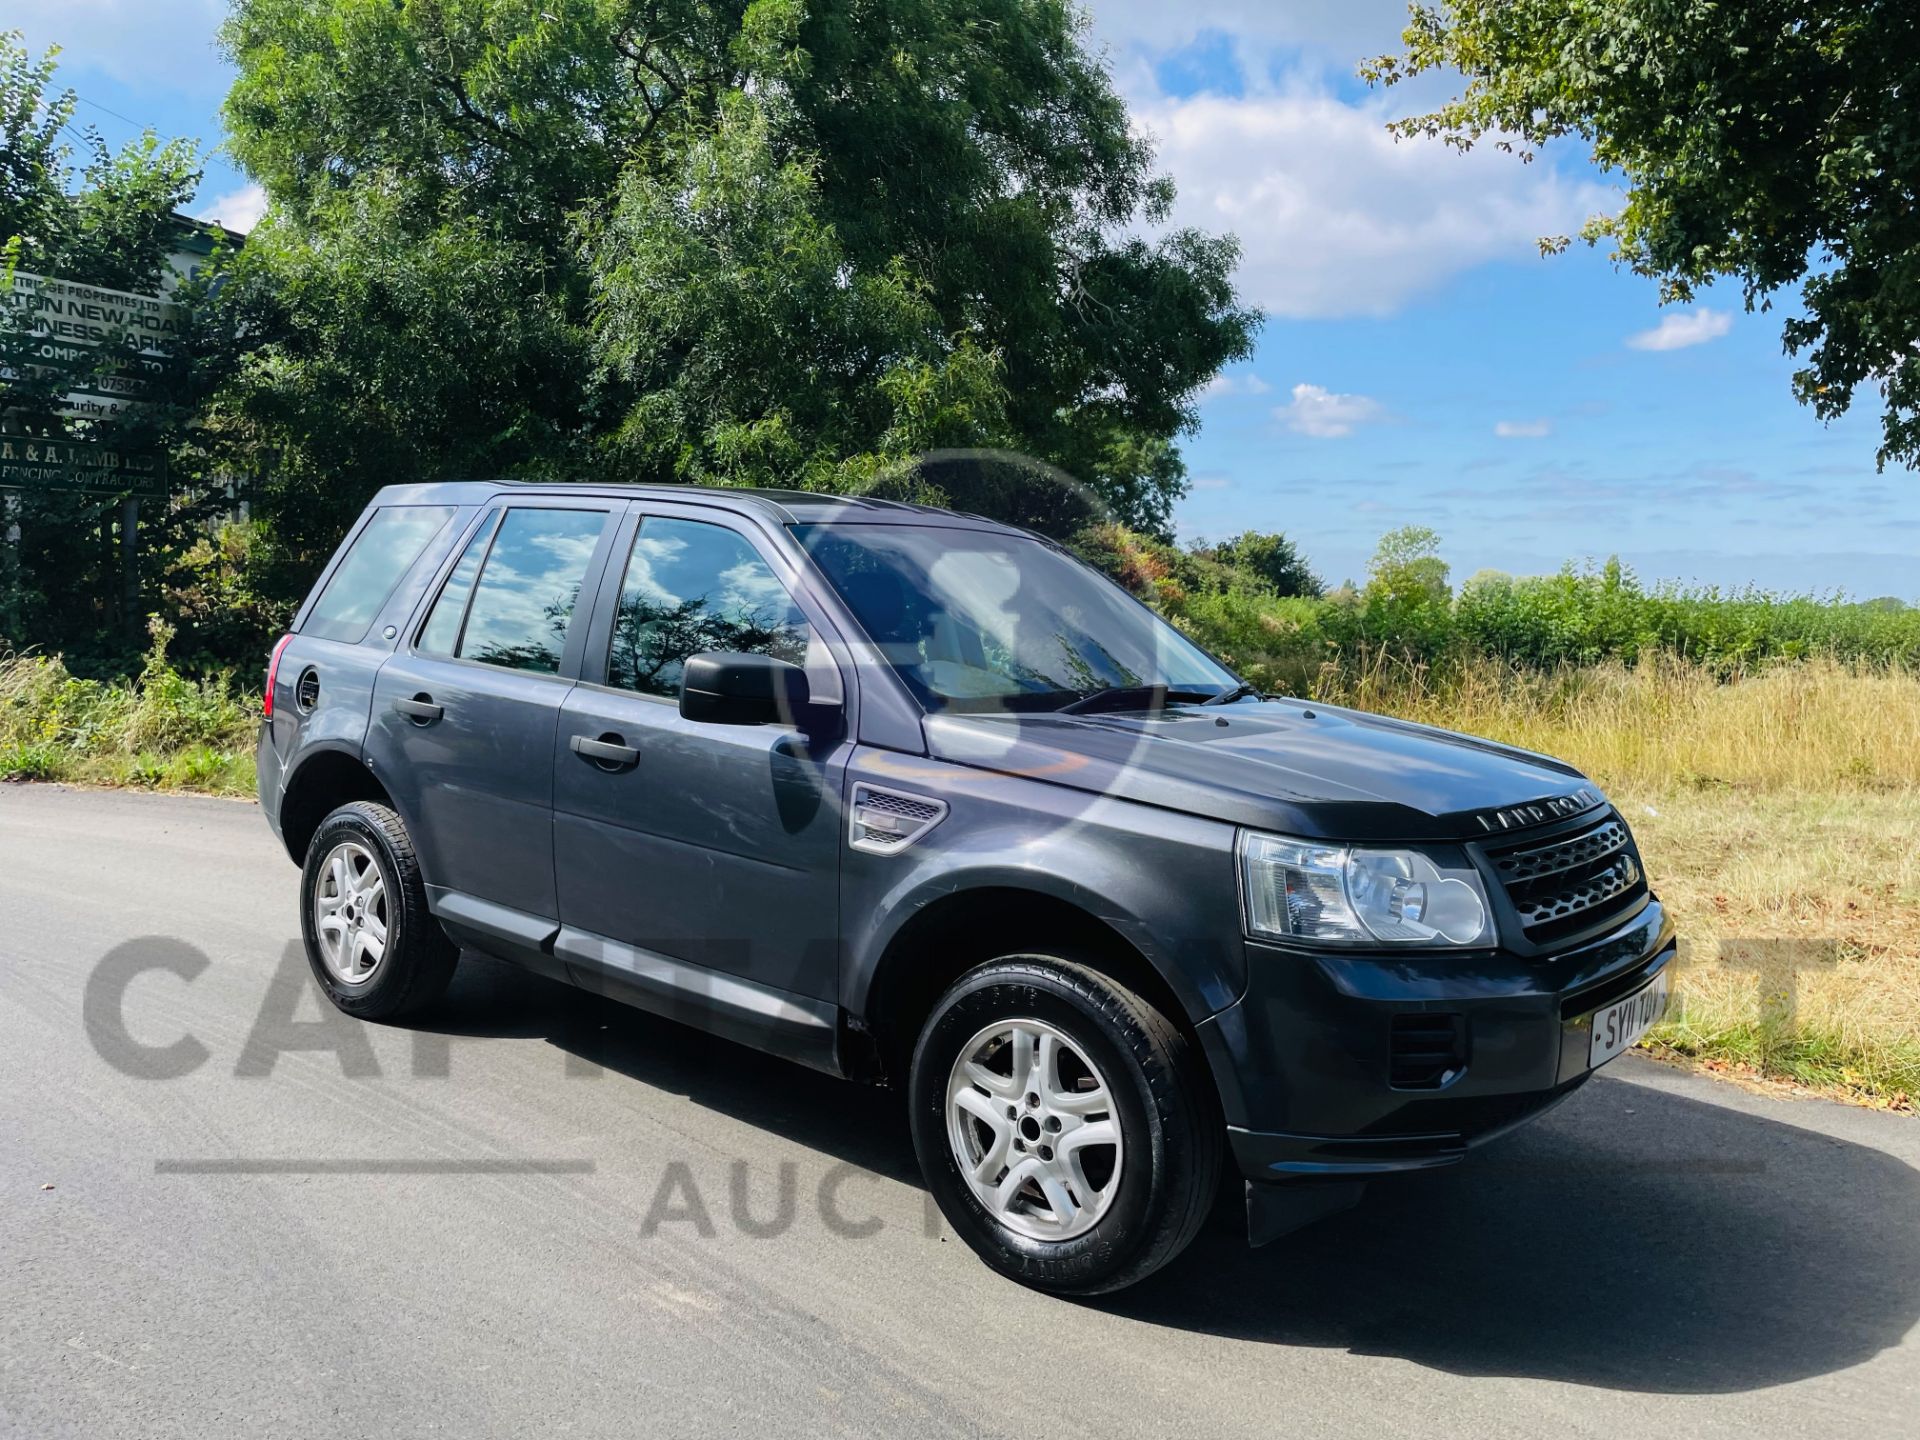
column 1554, row 807
column 922, row 801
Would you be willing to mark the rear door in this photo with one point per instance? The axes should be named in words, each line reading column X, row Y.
column 713, row 846
column 464, row 715
column 324, row 682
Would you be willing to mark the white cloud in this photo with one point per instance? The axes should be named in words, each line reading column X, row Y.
column 237, row 210
column 1244, row 382
column 1334, row 216
column 1523, row 429
column 1678, row 330
column 1319, row 412
column 146, row 44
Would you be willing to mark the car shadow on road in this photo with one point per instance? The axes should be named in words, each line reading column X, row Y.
column 1634, row 1239
column 858, row 1124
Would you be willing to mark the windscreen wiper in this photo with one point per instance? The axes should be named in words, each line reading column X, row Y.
column 1239, row 692
column 1131, row 697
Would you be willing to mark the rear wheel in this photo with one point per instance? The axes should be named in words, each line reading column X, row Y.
column 1063, row 1125
column 374, row 947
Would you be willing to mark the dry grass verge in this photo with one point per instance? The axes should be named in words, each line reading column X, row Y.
column 1780, row 817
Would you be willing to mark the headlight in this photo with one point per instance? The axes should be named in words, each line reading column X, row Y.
column 1306, row 890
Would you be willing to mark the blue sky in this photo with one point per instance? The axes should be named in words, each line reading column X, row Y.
column 1421, row 363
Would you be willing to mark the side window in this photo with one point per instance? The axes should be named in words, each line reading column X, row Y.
column 441, row 634
column 366, row 576
column 691, row 587
column 523, row 601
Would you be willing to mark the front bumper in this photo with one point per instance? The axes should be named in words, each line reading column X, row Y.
column 1304, row 1061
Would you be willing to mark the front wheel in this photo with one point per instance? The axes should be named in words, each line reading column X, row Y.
column 1063, row 1125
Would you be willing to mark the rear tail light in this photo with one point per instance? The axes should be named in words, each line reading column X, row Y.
column 273, row 672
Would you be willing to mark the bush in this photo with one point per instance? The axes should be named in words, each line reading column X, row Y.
column 1407, row 621
column 216, row 600
column 160, row 730
column 30, row 762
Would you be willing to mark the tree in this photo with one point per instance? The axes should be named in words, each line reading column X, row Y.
column 736, row 241
column 1273, row 559
column 105, row 218
column 1772, row 142
column 1407, row 568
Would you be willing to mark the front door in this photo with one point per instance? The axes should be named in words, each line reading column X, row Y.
column 464, row 715
column 702, row 851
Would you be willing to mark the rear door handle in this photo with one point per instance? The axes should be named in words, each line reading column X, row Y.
column 609, row 752
column 420, row 709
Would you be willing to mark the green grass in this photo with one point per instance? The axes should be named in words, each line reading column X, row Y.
column 161, row 731
column 1879, row 1071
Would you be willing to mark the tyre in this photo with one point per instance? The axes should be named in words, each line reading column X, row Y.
column 1065, row 1126
column 374, row 947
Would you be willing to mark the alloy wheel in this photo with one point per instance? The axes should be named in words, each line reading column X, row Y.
column 350, row 913
column 1033, row 1129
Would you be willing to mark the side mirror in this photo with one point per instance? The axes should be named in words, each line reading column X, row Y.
column 727, row 688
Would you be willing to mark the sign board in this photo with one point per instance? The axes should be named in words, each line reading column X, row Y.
column 66, row 323
column 66, row 313
column 79, row 467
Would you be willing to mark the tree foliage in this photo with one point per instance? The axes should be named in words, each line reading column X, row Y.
column 108, row 218
column 1771, row 142
column 732, row 241
column 1271, row 558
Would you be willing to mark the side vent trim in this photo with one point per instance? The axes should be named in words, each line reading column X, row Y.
column 885, row 822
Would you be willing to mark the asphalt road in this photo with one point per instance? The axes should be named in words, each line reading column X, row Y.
column 520, row 1218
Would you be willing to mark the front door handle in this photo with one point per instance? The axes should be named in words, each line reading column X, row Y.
column 420, row 709
column 609, row 752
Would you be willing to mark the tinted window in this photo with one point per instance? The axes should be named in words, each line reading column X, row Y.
column 385, row 550
column 986, row 620
column 528, row 588
column 692, row 587
column 442, row 631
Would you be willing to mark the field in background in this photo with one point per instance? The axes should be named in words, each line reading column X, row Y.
column 1779, row 814
column 1778, row 809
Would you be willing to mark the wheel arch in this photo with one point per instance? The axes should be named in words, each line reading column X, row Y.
column 322, row 782
column 955, row 931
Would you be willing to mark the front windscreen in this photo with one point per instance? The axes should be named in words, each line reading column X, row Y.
column 992, row 620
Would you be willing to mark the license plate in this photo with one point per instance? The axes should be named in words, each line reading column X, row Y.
column 1620, row 1024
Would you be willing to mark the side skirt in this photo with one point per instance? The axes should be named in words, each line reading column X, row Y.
column 794, row 1027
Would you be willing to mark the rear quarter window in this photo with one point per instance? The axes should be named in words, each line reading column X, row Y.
column 366, row 576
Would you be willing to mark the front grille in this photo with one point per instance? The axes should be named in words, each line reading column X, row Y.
column 1572, row 883
column 1426, row 1051
column 1595, row 844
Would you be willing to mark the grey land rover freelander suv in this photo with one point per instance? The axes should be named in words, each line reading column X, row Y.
column 919, row 799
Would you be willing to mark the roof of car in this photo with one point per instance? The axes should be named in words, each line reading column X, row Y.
column 785, row 507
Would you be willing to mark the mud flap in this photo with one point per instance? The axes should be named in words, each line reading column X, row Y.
column 1276, row 1210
